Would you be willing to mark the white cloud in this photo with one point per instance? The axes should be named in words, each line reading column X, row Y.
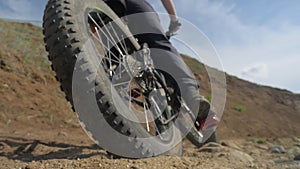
column 256, row 72
column 240, row 44
column 277, row 48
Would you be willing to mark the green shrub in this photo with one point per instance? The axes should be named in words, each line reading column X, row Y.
column 256, row 140
column 239, row 108
column 208, row 98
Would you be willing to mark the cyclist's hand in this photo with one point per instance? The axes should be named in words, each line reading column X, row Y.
column 174, row 26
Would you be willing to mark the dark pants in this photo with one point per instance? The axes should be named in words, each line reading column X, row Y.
column 147, row 29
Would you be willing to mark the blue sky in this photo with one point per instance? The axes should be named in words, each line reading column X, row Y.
column 257, row 40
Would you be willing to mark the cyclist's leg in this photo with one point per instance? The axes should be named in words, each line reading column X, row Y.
column 164, row 55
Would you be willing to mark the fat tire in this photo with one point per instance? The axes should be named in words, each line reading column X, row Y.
column 65, row 35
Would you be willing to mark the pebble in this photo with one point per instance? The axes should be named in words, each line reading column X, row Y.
column 5, row 86
column 294, row 150
column 211, row 148
column 297, row 144
column 62, row 134
column 297, row 157
column 295, row 139
column 277, row 149
column 231, row 145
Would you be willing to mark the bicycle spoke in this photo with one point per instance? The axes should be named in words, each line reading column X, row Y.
column 113, row 42
column 155, row 125
column 110, row 35
column 110, row 53
column 122, row 45
column 146, row 116
column 100, row 41
column 110, row 40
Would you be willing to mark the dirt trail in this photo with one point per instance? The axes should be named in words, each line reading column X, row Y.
column 68, row 147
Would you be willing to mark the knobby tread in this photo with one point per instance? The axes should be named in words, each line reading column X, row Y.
column 61, row 38
column 63, row 43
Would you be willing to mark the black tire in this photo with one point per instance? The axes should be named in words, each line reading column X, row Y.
column 66, row 36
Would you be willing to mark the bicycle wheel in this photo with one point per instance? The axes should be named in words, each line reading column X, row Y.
column 79, row 34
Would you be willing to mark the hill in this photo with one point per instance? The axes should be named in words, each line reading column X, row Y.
column 37, row 123
column 253, row 110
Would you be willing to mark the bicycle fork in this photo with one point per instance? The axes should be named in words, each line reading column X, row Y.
column 186, row 123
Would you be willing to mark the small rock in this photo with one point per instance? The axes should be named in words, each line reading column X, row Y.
column 4, row 86
column 221, row 155
column 231, row 145
column 239, row 156
column 62, row 134
column 297, row 157
column 2, row 64
column 133, row 167
column 277, row 149
column 211, row 148
column 295, row 150
column 30, row 166
column 295, row 139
